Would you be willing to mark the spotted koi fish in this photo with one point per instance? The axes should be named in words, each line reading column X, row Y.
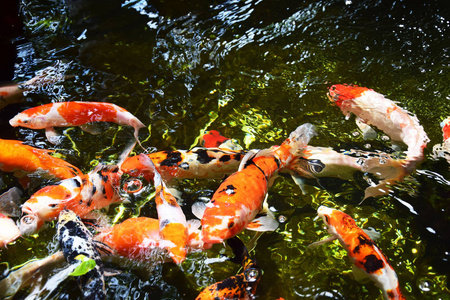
column 239, row 199
column 362, row 250
column 197, row 163
column 243, row 285
column 82, row 194
column 139, row 239
column 9, row 231
column 74, row 240
column 23, row 159
column 373, row 108
column 172, row 221
column 74, row 113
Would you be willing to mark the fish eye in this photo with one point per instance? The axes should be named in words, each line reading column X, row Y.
column 252, row 274
column 316, row 166
column 26, row 121
column 327, row 219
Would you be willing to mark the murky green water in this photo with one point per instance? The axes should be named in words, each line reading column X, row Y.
column 254, row 70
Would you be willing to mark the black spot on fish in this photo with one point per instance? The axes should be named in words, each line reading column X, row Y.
column 164, row 223
column 362, row 241
column 372, row 263
column 77, row 182
column 184, row 166
column 94, row 189
column 224, row 158
column 230, row 190
column 173, row 159
column 103, row 190
column 391, row 294
column 104, row 177
column 203, row 156
column 229, row 283
column 237, row 157
column 89, row 202
column 277, row 161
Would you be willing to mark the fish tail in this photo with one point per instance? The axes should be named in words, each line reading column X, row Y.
column 300, row 137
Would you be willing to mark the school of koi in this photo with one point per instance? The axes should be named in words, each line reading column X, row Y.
column 238, row 203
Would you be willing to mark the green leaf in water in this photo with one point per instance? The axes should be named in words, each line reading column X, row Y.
column 85, row 266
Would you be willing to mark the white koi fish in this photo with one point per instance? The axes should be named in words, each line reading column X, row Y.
column 74, row 113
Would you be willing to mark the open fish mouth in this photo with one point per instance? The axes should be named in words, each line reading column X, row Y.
column 28, row 224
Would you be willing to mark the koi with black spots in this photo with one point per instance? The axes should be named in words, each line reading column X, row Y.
column 241, row 286
column 199, row 163
column 82, row 194
column 75, row 240
column 240, row 197
column 362, row 250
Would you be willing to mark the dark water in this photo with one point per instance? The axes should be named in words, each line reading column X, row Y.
column 254, row 70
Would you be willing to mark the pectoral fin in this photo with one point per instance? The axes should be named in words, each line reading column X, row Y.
column 299, row 181
column 360, row 275
column 91, row 128
column 52, row 136
column 198, row 209
column 321, row 242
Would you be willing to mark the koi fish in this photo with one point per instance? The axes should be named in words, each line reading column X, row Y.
column 374, row 109
column 443, row 150
column 362, row 250
column 82, row 194
column 180, row 164
column 325, row 162
column 139, row 239
column 240, row 198
column 74, row 113
column 213, row 139
column 172, row 221
column 9, row 231
column 241, row 286
column 75, row 239
column 23, row 159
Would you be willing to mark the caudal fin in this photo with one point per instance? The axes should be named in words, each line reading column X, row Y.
column 300, row 137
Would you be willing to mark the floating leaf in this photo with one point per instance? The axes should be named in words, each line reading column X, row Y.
column 85, row 266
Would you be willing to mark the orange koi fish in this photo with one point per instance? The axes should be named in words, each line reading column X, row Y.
column 243, row 285
column 180, row 164
column 373, row 108
column 139, row 239
column 74, row 113
column 81, row 194
column 172, row 221
column 239, row 199
column 362, row 250
column 23, row 159
column 9, row 231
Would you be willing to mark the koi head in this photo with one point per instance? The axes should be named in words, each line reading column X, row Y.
column 29, row 121
column 212, row 139
column 339, row 93
column 446, row 128
column 336, row 221
column 133, row 166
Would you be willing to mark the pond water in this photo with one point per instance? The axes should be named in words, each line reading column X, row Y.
column 254, row 70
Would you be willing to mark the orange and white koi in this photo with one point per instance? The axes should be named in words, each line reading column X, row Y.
column 373, row 108
column 23, row 159
column 241, row 286
column 172, row 221
column 362, row 250
column 82, row 194
column 139, row 239
column 197, row 163
column 443, row 150
column 74, row 113
column 9, row 231
column 240, row 198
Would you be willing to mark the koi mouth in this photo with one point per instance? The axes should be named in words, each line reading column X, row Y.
column 28, row 224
